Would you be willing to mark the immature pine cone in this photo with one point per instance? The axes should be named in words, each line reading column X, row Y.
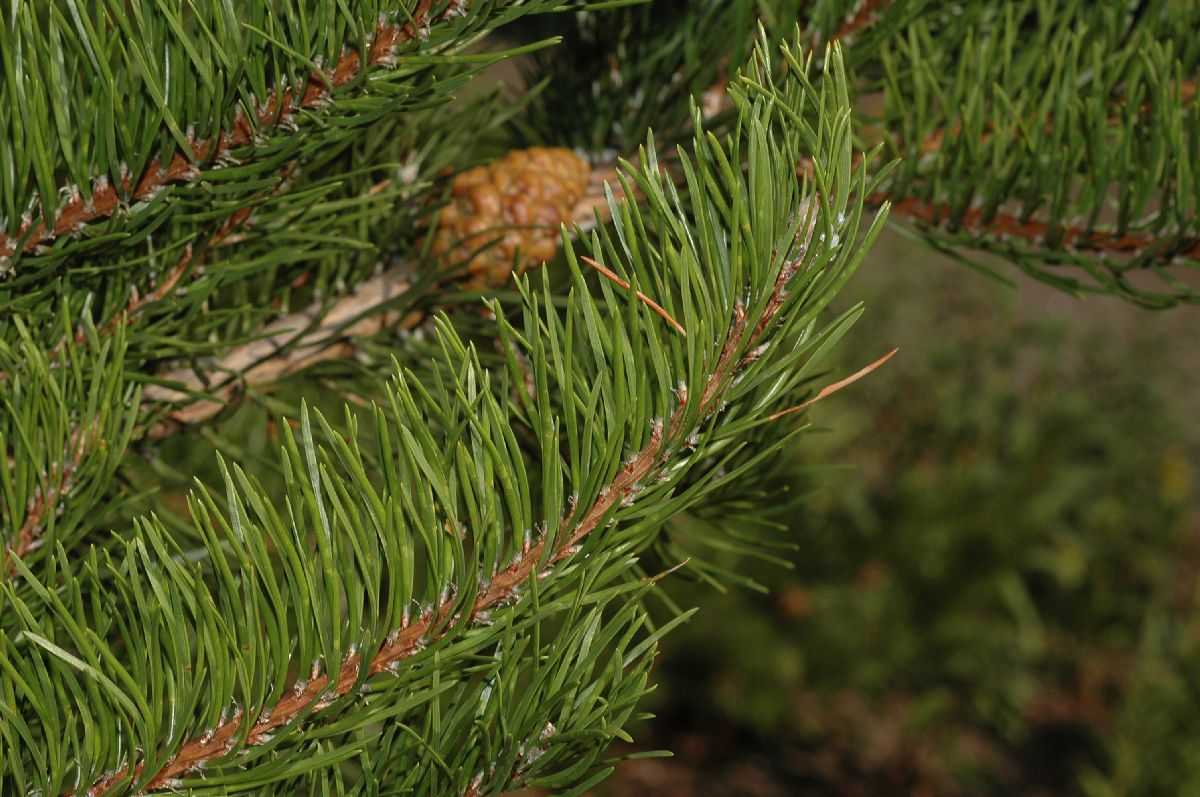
column 520, row 199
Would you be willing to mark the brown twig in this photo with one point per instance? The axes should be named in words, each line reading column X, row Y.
column 1004, row 224
column 46, row 498
column 318, row 333
column 863, row 16
column 535, row 561
column 278, row 111
column 312, row 335
column 653, row 305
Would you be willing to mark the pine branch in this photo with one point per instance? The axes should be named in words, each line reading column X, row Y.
column 973, row 220
column 175, row 661
column 166, row 320
column 1053, row 136
column 536, row 561
column 277, row 113
column 1039, row 233
column 45, row 500
column 76, row 348
column 62, row 433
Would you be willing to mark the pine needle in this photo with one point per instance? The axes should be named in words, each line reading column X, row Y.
column 829, row 390
column 653, row 305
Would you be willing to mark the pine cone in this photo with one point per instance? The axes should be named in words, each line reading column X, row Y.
column 520, row 199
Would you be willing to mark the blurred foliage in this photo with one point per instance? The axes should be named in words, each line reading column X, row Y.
column 1000, row 599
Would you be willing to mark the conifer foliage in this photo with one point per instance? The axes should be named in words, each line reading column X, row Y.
column 431, row 571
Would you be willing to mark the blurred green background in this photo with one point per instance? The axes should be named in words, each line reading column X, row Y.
column 998, row 595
